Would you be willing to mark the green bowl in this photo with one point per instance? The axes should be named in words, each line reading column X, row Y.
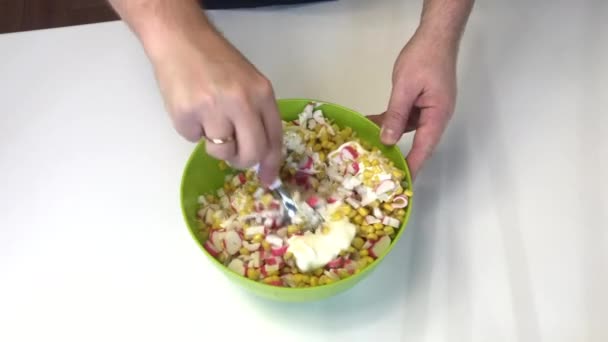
column 203, row 175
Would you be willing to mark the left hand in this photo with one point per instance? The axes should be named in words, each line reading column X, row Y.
column 422, row 99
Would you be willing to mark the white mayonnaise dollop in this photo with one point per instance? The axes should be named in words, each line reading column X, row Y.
column 314, row 250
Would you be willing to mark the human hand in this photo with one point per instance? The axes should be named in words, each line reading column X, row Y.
column 422, row 98
column 211, row 91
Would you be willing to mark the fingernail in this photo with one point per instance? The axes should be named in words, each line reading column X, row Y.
column 388, row 135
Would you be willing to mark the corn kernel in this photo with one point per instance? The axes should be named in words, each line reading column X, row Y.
column 399, row 190
column 335, row 128
column 367, row 175
column 292, row 229
column 389, row 230
column 286, row 269
column 358, row 219
column 222, row 165
column 288, row 255
column 317, row 147
column 298, row 277
column 266, row 245
column 363, row 211
column 375, row 204
column 351, row 250
column 210, row 198
column 400, row 212
column 222, row 257
column 322, row 156
column 388, row 207
column 358, row 242
column 305, row 278
column 314, row 281
column 408, row 193
column 372, row 236
column 318, row 272
column 325, row 230
column 378, row 226
column 375, row 162
column 336, row 216
column 343, row 273
column 380, row 232
column 258, row 238
column 363, row 253
column 325, row 144
column 333, row 145
column 271, row 279
column 323, row 280
column 345, row 209
column 252, row 273
column 244, row 251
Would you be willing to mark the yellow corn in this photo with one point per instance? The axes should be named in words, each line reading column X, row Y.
column 398, row 174
column 363, row 211
column 345, row 209
column 408, row 193
column 375, row 149
column 351, row 250
column 388, row 207
column 399, row 190
column 375, row 162
column 266, row 245
column 292, row 229
column 210, row 198
column 352, row 214
column 377, row 169
column 252, row 273
column 369, row 260
column 325, row 144
column 375, row 204
column 400, row 212
column 332, row 145
column 378, row 226
column 336, row 216
column 347, row 131
column 222, row 165
column 323, row 280
column 322, row 156
column 227, row 187
column 244, row 251
column 222, row 257
column 317, row 147
column 288, row 255
column 286, row 269
column 314, row 281
column 271, row 279
column 318, row 272
column 343, row 273
column 377, row 229
column 363, row 253
column 380, row 232
column 305, row 278
column 372, row 236
column 358, row 219
column 258, row 238
column 298, row 277
column 389, row 230
column 358, row 242
column 367, row 175
column 266, row 199
column 325, row 230
column 335, row 128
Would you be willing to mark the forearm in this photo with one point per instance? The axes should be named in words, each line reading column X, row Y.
column 444, row 20
column 159, row 22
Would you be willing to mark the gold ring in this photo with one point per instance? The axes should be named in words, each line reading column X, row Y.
column 219, row 141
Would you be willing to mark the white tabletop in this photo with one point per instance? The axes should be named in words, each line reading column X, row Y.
column 508, row 241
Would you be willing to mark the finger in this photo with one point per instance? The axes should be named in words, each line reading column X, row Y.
column 218, row 126
column 188, row 127
column 431, row 127
column 377, row 119
column 396, row 117
column 271, row 163
column 412, row 121
column 251, row 140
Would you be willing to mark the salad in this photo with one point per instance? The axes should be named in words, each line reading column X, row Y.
column 360, row 194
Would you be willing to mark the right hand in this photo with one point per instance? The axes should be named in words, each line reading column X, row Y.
column 211, row 90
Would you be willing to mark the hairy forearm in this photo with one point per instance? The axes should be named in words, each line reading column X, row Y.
column 444, row 20
column 157, row 22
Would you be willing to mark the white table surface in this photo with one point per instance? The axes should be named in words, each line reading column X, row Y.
column 508, row 241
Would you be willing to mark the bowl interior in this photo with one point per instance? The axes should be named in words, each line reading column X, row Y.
column 203, row 175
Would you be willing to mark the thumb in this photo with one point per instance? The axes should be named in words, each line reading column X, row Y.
column 397, row 114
